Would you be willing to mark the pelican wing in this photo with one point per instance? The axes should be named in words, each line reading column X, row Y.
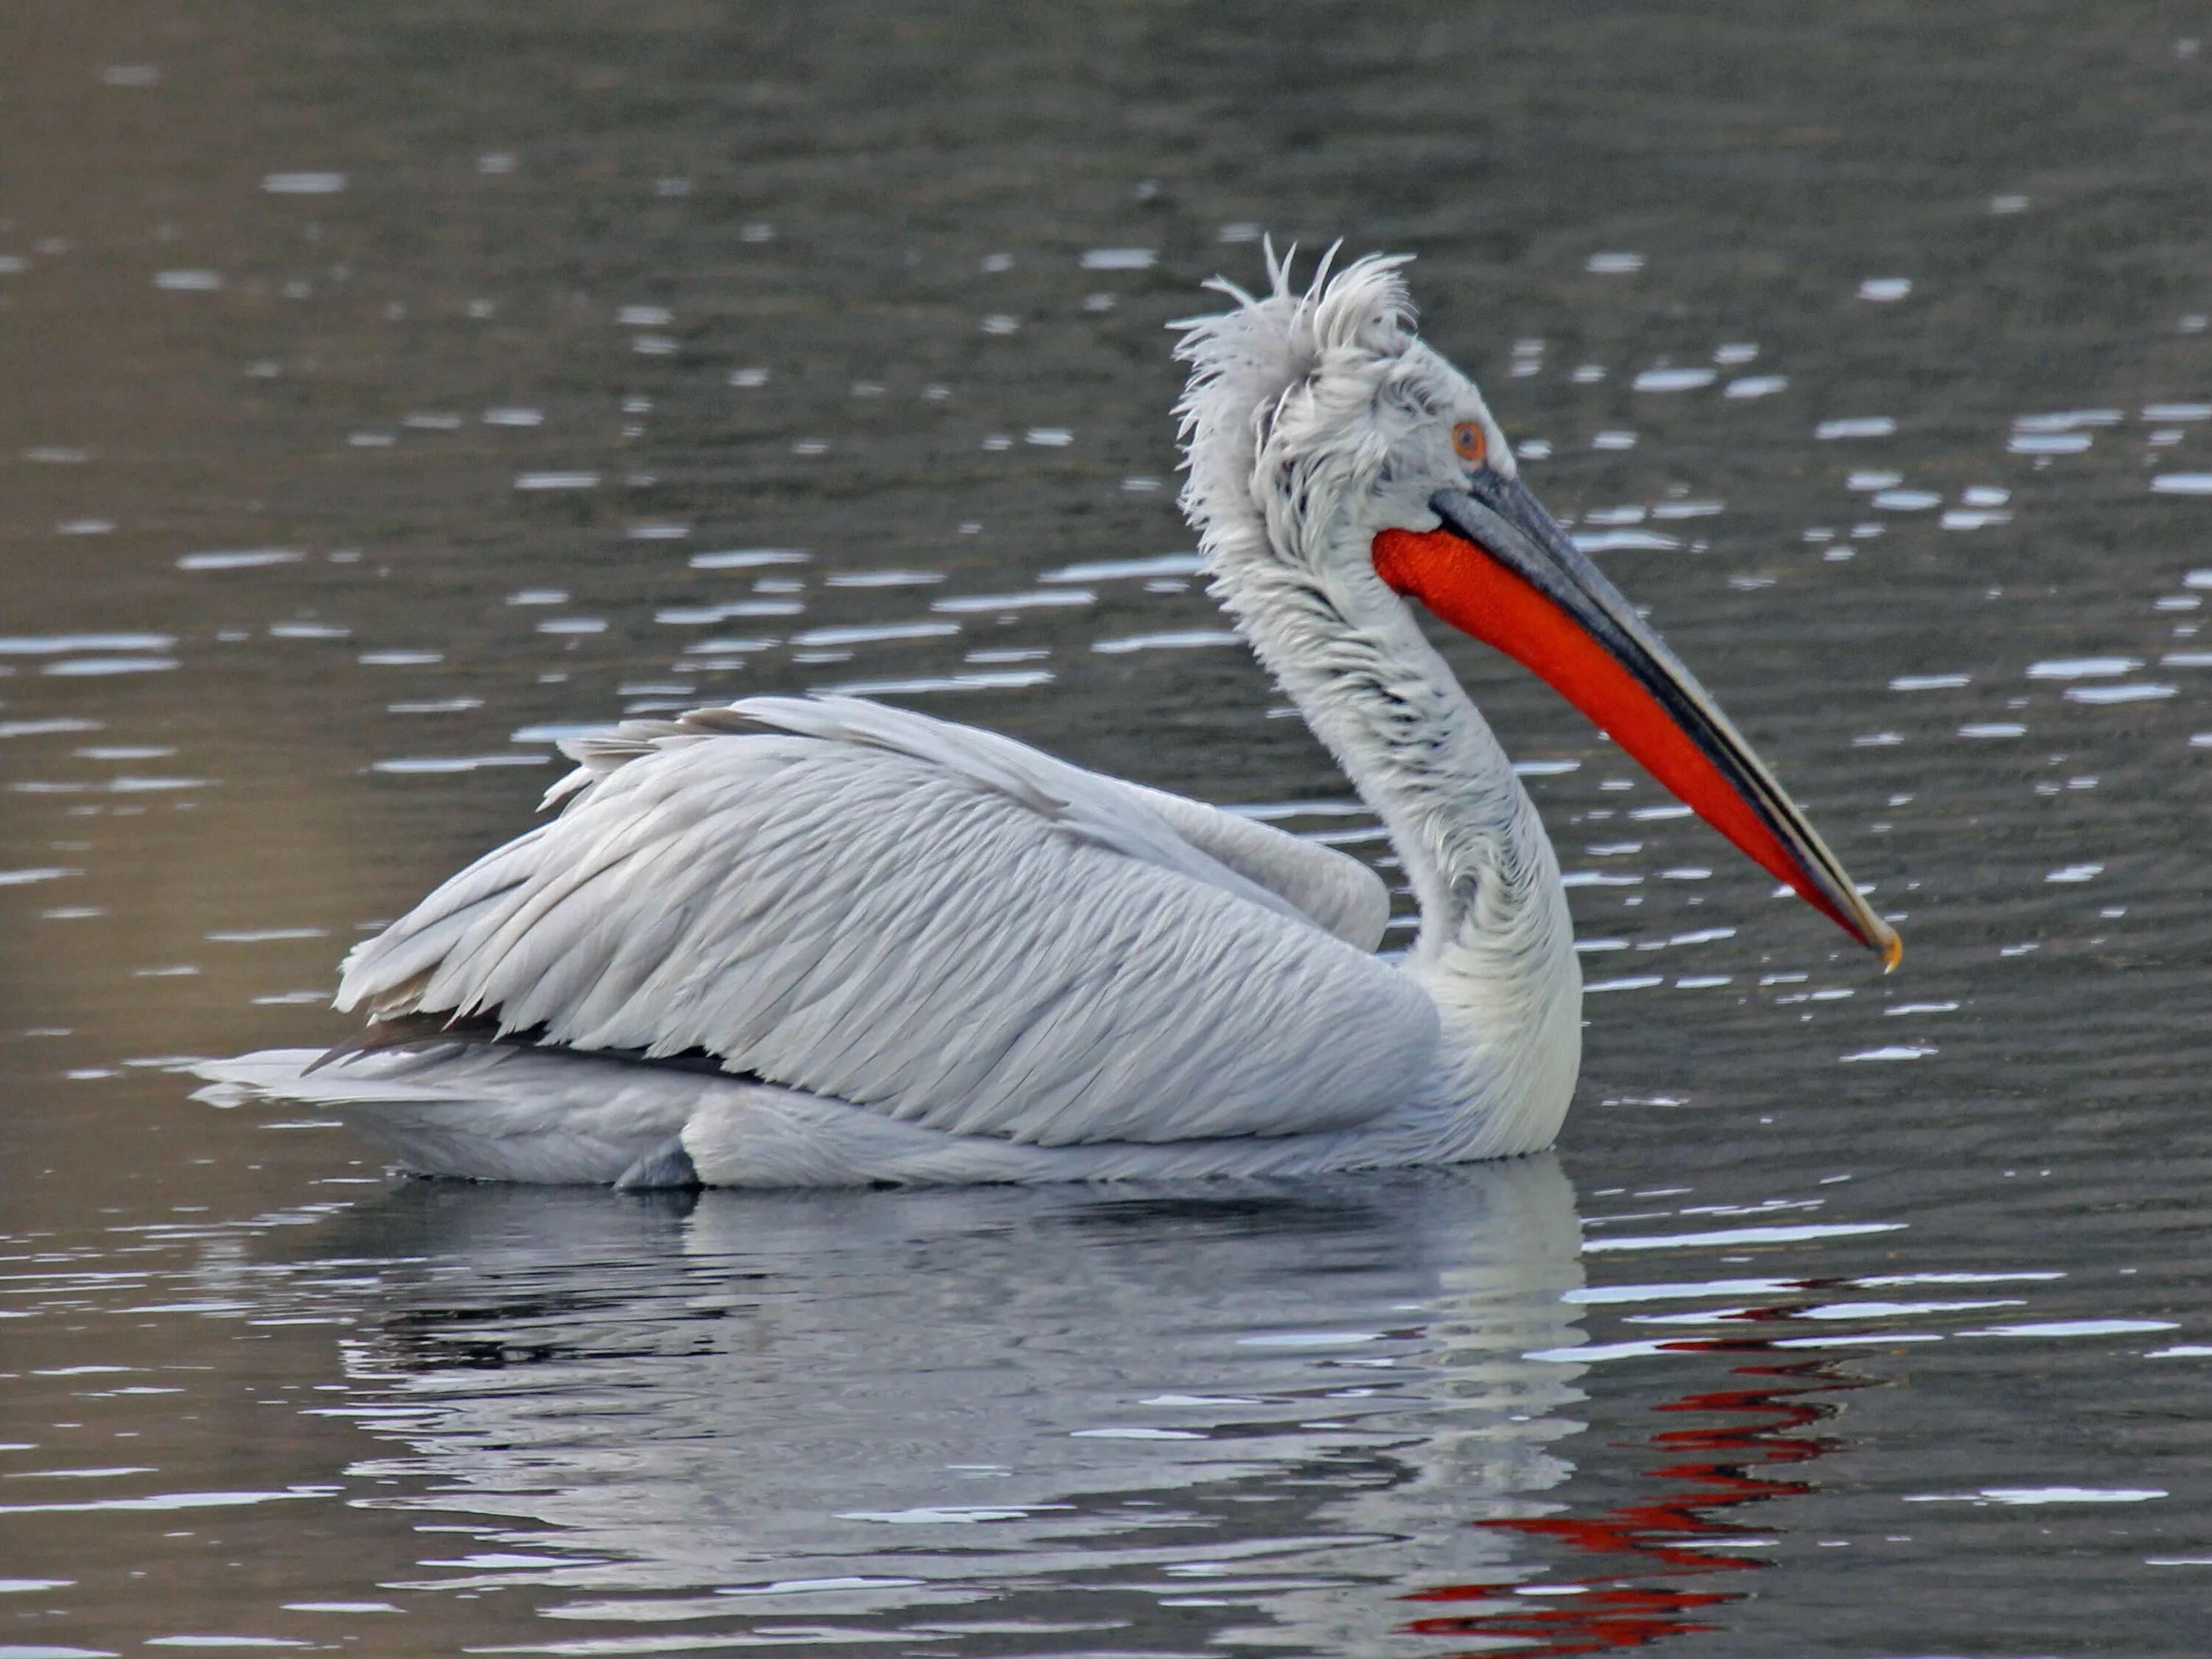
column 930, row 920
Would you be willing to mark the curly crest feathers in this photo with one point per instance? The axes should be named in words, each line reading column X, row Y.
column 1245, row 361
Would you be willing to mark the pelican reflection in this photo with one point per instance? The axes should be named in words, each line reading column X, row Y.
column 1251, row 1412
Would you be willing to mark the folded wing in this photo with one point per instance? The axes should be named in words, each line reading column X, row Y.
column 930, row 920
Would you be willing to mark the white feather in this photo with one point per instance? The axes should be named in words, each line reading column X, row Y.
column 923, row 919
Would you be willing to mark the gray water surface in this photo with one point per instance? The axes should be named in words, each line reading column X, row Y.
column 386, row 389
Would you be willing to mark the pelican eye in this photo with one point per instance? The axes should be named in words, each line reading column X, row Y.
column 1468, row 443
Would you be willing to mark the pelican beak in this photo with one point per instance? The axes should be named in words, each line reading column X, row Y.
column 1500, row 567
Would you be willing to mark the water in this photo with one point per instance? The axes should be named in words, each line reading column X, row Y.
column 392, row 391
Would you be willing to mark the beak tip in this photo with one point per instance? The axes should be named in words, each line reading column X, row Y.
column 1891, row 948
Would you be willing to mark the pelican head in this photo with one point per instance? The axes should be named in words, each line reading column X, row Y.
column 1338, row 463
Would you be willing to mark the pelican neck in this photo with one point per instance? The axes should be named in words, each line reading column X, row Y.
column 1353, row 661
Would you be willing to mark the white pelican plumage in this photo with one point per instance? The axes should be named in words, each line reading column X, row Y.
column 805, row 942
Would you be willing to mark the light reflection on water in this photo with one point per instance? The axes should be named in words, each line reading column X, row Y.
column 393, row 395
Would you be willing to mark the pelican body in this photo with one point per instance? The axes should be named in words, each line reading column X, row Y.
column 806, row 942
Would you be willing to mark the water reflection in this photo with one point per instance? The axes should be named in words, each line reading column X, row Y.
column 1224, row 1412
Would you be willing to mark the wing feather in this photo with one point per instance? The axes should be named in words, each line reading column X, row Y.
column 1338, row 892
column 928, row 921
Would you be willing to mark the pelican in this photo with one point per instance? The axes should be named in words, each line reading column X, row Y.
column 824, row 942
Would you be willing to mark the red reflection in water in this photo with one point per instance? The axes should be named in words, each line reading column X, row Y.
column 1670, row 1536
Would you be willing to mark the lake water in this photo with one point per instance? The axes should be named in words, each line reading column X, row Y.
column 390, row 387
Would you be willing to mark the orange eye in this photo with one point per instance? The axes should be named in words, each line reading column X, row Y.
column 1468, row 441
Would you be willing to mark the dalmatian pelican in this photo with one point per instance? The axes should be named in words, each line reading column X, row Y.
column 799, row 941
